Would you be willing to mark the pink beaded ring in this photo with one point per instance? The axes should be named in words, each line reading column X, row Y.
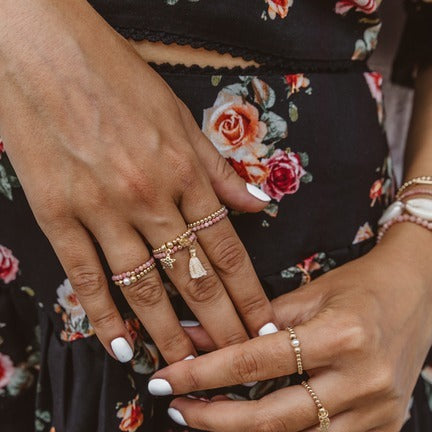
column 187, row 241
column 133, row 276
column 209, row 220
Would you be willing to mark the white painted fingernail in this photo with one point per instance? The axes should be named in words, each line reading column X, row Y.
column 189, row 357
column 190, row 323
column 267, row 329
column 176, row 415
column 122, row 349
column 257, row 192
column 250, row 384
column 159, row 387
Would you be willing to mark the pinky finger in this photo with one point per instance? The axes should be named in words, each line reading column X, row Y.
column 77, row 254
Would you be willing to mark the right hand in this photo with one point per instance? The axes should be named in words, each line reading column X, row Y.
column 103, row 146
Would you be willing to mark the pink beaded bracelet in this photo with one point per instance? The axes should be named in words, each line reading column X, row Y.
column 132, row 276
column 403, row 218
column 413, row 192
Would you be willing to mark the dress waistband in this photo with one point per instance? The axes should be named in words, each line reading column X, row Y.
column 285, row 67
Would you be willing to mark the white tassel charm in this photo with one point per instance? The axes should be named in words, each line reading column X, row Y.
column 196, row 269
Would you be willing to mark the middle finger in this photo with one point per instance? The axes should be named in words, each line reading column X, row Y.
column 206, row 296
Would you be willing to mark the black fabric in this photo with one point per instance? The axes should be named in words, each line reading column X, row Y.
column 237, row 27
column 316, row 144
column 415, row 48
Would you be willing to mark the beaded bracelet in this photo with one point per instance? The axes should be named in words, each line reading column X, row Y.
column 417, row 191
column 424, row 180
column 419, row 211
column 403, row 218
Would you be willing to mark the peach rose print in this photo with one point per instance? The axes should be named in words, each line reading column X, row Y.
column 234, row 127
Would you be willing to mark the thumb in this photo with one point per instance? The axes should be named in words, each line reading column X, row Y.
column 230, row 188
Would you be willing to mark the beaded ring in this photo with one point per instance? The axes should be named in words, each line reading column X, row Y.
column 295, row 343
column 132, row 276
column 323, row 415
column 209, row 220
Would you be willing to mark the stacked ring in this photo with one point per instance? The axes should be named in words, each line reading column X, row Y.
column 132, row 276
column 209, row 220
column 186, row 240
column 295, row 343
column 323, row 415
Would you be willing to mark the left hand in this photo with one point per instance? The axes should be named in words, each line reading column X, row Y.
column 365, row 330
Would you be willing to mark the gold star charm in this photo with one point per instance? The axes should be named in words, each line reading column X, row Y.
column 168, row 261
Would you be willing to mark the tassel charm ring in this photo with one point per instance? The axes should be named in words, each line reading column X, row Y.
column 187, row 241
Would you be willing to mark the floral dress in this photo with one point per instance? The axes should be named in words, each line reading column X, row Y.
column 307, row 127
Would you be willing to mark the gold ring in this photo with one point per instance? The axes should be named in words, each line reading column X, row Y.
column 323, row 415
column 295, row 343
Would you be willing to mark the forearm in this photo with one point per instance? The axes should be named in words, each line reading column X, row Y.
column 408, row 243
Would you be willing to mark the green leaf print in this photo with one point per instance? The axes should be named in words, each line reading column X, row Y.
column 215, row 80
column 277, row 127
column 293, row 112
column 5, row 185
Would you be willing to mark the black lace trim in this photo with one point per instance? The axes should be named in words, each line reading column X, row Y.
column 268, row 62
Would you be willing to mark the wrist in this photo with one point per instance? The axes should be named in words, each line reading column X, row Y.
column 409, row 247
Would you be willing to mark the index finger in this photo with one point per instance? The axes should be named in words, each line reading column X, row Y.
column 231, row 262
column 257, row 359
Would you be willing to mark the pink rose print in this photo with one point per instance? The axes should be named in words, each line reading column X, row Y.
column 278, row 7
column 365, row 6
column 8, row 265
column 6, row 370
column 234, row 128
column 285, row 172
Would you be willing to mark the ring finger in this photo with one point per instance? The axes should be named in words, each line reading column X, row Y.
column 125, row 250
column 206, row 296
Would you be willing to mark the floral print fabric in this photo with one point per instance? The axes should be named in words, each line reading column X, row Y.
column 311, row 139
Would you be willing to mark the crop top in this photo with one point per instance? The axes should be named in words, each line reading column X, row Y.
column 305, row 34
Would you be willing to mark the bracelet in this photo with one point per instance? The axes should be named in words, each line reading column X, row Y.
column 415, row 210
column 416, row 191
column 403, row 218
column 424, row 180
column 419, row 207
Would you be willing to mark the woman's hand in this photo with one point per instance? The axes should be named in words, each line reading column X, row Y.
column 103, row 146
column 365, row 329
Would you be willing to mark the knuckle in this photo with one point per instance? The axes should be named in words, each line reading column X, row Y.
column 235, row 338
column 172, row 343
column 350, row 339
column 86, row 280
column 229, row 255
column 192, row 378
column 254, row 303
column 204, row 290
column 186, row 169
column 265, row 422
column 148, row 291
column 245, row 366
column 105, row 320
column 383, row 381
